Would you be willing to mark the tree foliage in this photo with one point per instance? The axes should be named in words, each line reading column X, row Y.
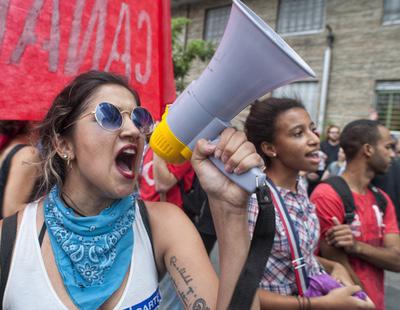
column 183, row 56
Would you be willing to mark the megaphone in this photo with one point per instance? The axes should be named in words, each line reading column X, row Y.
column 250, row 61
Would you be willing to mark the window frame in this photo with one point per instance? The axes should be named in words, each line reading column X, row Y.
column 205, row 20
column 301, row 32
column 389, row 22
column 384, row 87
column 311, row 107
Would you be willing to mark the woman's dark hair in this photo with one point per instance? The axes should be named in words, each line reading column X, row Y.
column 10, row 129
column 66, row 109
column 356, row 134
column 13, row 128
column 260, row 125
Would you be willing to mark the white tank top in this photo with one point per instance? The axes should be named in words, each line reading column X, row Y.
column 28, row 285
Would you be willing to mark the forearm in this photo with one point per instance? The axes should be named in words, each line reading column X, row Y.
column 381, row 257
column 233, row 242
column 269, row 300
column 326, row 263
column 339, row 255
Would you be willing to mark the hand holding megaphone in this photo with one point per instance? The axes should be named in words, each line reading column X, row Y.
column 250, row 61
column 236, row 156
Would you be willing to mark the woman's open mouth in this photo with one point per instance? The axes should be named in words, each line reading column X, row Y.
column 125, row 161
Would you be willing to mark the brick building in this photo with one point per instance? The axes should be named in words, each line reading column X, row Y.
column 364, row 70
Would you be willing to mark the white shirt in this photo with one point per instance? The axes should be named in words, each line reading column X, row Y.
column 29, row 286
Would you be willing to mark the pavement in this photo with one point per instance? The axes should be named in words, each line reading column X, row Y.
column 392, row 290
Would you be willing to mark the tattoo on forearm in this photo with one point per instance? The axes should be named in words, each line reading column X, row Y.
column 200, row 304
column 189, row 293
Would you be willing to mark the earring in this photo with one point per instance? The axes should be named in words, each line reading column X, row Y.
column 273, row 154
column 66, row 157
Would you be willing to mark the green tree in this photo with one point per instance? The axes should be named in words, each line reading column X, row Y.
column 183, row 56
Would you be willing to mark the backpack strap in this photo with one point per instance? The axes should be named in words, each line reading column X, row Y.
column 379, row 198
column 343, row 190
column 8, row 235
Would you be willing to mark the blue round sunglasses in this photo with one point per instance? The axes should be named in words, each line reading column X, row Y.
column 110, row 118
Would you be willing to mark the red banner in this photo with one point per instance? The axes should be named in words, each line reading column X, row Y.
column 45, row 43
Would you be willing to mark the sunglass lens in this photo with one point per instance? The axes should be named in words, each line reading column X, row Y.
column 142, row 120
column 108, row 116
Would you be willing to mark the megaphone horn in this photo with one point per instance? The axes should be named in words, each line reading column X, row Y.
column 250, row 61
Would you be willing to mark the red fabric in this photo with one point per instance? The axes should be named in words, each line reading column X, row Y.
column 146, row 183
column 329, row 204
column 4, row 140
column 168, row 86
column 38, row 58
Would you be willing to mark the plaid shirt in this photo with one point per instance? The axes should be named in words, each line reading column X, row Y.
column 279, row 276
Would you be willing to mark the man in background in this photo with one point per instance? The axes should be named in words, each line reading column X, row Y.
column 369, row 244
column 331, row 145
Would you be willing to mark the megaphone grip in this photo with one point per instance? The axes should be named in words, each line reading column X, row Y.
column 248, row 181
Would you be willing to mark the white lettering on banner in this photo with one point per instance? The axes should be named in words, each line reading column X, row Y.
column 126, row 56
column 75, row 58
column 4, row 6
column 28, row 34
column 76, row 51
column 143, row 78
column 52, row 46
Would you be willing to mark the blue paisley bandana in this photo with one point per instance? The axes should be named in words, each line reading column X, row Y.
column 92, row 253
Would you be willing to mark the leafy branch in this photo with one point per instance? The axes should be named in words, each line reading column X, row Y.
column 183, row 56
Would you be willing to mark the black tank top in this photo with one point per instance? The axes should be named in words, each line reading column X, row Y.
column 4, row 170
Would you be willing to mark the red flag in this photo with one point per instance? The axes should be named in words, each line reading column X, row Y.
column 168, row 86
column 45, row 43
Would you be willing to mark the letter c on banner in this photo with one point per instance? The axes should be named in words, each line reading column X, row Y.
column 144, row 78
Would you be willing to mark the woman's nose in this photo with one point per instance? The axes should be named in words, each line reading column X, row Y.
column 128, row 127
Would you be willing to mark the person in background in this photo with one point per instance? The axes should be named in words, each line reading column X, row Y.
column 370, row 243
column 390, row 181
column 285, row 137
column 102, row 247
column 314, row 177
column 331, row 145
column 18, row 165
column 336, row 167
column 159, row 181
column 397, row 146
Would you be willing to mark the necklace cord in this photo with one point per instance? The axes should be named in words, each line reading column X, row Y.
column 74, row 207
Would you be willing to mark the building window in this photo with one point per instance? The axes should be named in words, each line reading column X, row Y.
column 306, row 92
column 215, row 23
column 301, row 16
column 388, row 104
column 391, row 12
